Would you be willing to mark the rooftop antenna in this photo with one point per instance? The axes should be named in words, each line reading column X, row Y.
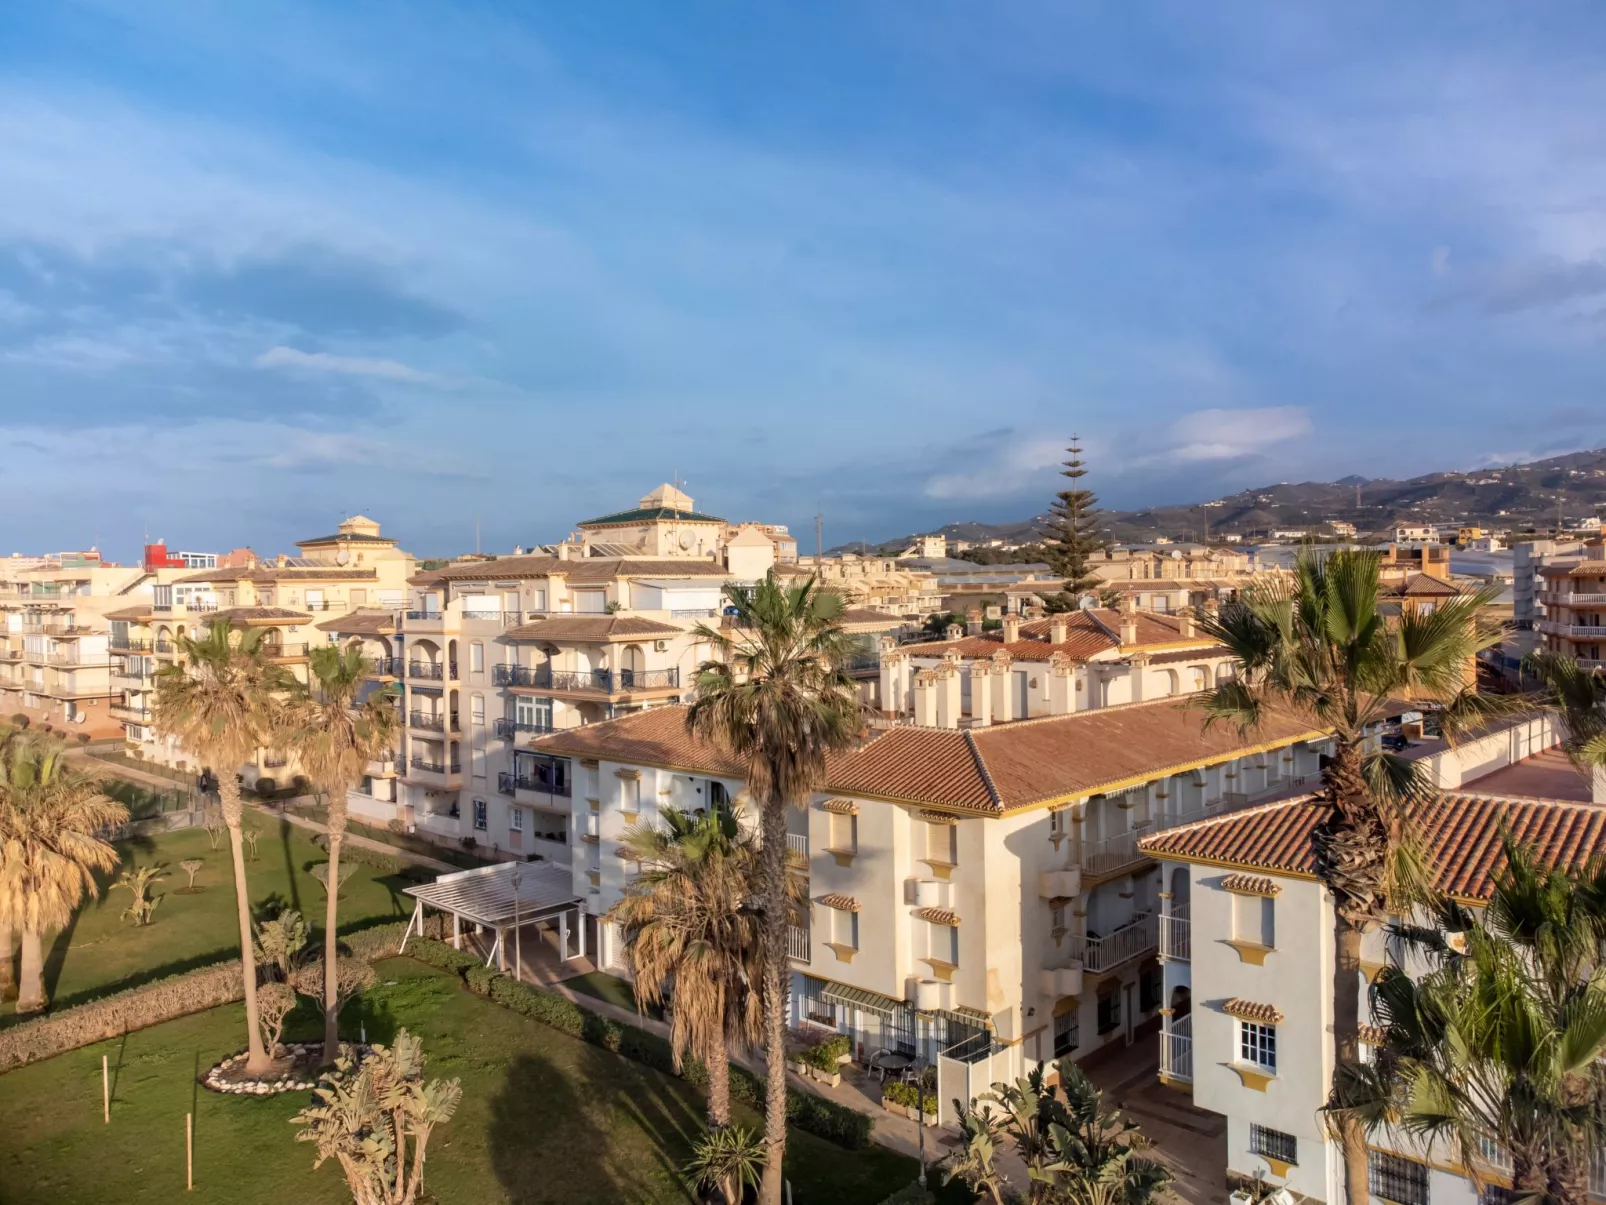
column 819, row 539
column 476, row 535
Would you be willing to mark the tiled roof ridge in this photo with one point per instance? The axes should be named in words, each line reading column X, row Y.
column 1134, row 705
column 1235, row 815
column 981, row 768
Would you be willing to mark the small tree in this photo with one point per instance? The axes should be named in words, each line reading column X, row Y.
column 727, row 1160
column 191, row 867
column 250, row 836
column 352, row 975
column 278, row 943
column 321, row 873
column 212, row 821
column 368, row 1116
column 139, row 882
column 275, row 1002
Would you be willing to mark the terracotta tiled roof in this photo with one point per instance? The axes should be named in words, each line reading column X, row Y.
column 1088, row 633
column 364, row 621
column 1575, row 569
column 1249, row 1010
column 131, row 613
column 864, row 617
column 1251, row 884
column 576, row 569
column 938, row 916
column 286, row 573
column 988, row 770
column 843, row 903
column 1373, row 1035
column 591, row 628
column 1461, row 831
column 255, row 614
column 1179, row 656
column 1420, row 585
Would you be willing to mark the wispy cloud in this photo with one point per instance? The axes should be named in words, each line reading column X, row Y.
column 355, row 366
column 1208, row 435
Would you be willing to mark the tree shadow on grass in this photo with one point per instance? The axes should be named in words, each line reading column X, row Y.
column 548, row 1144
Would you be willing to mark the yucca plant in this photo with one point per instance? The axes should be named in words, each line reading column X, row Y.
column 139, row 881
column 728, row 1160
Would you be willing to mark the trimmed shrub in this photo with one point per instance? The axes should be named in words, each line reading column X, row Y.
column 120, row 1013
column 266, row 786
column 360, row 855
column 911, row 1194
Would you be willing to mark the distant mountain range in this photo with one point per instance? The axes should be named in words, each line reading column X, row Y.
column 1517, row 497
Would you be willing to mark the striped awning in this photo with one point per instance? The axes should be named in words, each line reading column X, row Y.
column 857, row 997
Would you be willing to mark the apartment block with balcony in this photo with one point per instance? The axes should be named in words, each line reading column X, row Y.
column 376, row 633
column 1574, row 602
column 1071, row 662
column 980, row 892
column 1246, row 945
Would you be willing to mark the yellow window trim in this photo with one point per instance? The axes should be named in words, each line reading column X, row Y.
column 1251, row 952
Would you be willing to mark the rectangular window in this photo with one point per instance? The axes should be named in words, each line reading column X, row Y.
column 1056, row 919
column 515, row 819
column 1254, row 919
column 940, row 842
column 591, row 602
column 942, row 943
column 476, row 658
column 476, row 710
column 1397, row 1179
column 479, row 814
column 1150, row 988
column 718, row 797
column 477, row 760
column 1257, row 1045
column 1067, row 1033
column 845, row 928
column 314, row 600
column 1109, row 1011
column 537, row 712
column 844, row 833
column 1274, row 1144
column 1059, row 822
column 538, row 600
column 359, row 598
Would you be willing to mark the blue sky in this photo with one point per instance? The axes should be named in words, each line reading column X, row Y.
column 264, row 264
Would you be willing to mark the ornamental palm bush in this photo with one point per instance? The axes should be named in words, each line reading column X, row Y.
column 1578, row 696
column 1325, row 646
column 1499, row 1044
column 222, row 701
column 51, row 818
column 686, row 920
column 335, row 734
column 774, row 696
column 376, row 1119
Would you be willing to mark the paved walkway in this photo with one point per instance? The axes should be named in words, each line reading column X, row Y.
column 401, row 855
column 1192, row 1142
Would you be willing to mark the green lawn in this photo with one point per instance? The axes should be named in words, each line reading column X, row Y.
column 609, row 988
column 545, row 1118
column 100, row 952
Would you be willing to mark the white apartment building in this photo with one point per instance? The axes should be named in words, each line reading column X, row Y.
column 1246, row 945
column 976, row 894
column 1574, row 602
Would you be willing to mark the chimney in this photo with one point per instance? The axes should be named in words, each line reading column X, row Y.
column 973, row 622
column 1011, row 629
column 955, row 631
column 563, row 551
column 1059, row 629
column 1129, row 627
column 1185, row 618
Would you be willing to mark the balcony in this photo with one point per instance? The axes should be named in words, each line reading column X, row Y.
column 1176, row 1050
column 648, row 679
column 425, row 621
column 384, row 667
column 598, row 681
column 1132, row 940
column 508, row 729
column 283, row 651
column 427, row 722
column 137, row 679
column 1113, row 854
column 1552, row 598
column 430, row 766
column 1176, row 939
column 518, row 675
column 861, row 663
column 797, row 849
column 1060, row 884
column 129, row 644
column 510, row 783
column 1065, row 979
column 699, row 613
column 1586, row 630
column 165, row 646
column 797, row 944
column 429, row 671
column 131, row 712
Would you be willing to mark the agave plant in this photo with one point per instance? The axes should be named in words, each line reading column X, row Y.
column 727, row 1160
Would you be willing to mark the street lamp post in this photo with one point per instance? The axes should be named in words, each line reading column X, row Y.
column 518, row 943
column 920, row 1093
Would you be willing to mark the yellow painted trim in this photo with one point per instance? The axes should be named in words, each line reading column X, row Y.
column 939, row 869
column 844, row 857
column 1278, row 1167
column 1251, row 952
column 943, row 971
column 1254, row 1080
column 1225, row 864
column 843, row 953
column 1176, row 1085
column 1371, row 970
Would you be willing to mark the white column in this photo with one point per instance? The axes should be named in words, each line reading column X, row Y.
column 563, row 937
column 457, row 932
column 580, row 923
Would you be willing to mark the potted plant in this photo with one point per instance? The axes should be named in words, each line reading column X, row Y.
column 822, row 1065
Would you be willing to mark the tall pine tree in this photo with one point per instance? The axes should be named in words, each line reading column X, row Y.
column 1073, row 529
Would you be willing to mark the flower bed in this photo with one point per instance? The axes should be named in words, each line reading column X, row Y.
column 298, row 1072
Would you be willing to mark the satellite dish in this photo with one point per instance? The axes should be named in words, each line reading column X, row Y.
column 342, row 556
column 1088, row 603
column 685, row 539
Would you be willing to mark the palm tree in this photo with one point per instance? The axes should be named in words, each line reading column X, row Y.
column 775, row 697
column 51, row 815
column 335, row 734
column 1500, row 1046
column 688, row 924
column 1323, row 646
column 222, row 700
column 1578, row 696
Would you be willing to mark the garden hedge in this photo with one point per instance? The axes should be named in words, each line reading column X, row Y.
column 910, row 1194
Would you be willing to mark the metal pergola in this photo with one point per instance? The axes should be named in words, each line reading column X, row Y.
column 498, row 898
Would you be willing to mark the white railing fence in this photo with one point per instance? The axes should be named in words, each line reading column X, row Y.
column 1132, row 939
column 1176, row 938
column 1176, row 1049
column 1112, row 853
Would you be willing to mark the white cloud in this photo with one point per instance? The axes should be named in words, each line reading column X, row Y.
column 1001, row 474
column 1214, row 435
column 356, row 366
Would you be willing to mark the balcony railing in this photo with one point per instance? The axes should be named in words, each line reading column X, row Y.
column 165, row 646
column 797, row 943
column 431, row 766
column 1176, row 1049
column 124, row 711
column 1554, row 599
column 508, row 782
column 76, row 659
column 1176, row 938
column 694, row 613
column 129, row 644
column 648, row 679
column 431, row 723
column 435, row 615
column 432, row 671
column 860, row 662
column 581, row 679
column 797, row 848
column 484, row 616
column 1131, row 940
column 281, row 651
column 384, row 667
column 1113, row 853
column 507, row 729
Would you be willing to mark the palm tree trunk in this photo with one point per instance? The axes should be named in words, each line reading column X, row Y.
column 31, row 997
column 257, row 1061
column 719, row 1086
column 1347, row 1049
column 331, row 920
column 8, row 959
column 776, row 904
